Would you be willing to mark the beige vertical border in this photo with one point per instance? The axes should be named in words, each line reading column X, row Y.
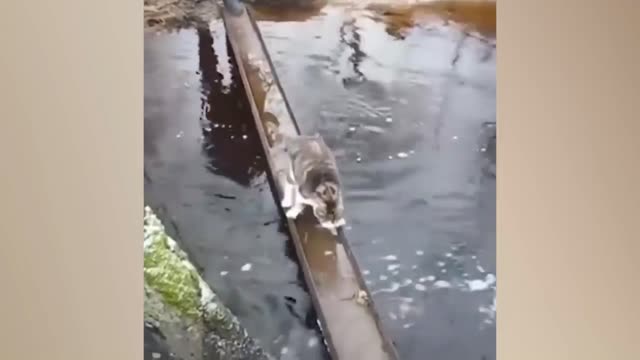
column 568, row 180
column 71, row 186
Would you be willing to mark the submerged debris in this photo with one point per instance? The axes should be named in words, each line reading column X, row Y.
column 362, row 297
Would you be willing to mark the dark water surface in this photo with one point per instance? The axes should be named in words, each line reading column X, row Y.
column 411, row 122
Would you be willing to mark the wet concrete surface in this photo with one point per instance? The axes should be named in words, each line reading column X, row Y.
column 411, row 122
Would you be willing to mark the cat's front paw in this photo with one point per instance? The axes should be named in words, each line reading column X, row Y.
column 294, row 212
column 286, row 203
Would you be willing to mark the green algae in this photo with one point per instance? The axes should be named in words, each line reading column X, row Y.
column 165, row 271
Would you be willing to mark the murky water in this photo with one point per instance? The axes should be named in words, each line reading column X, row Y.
column 410, row 121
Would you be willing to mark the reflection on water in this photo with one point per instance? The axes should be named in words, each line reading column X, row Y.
column 412, row 123
column 350, row 36
column 227, row 123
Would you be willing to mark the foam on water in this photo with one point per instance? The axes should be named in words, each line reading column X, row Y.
column 481, row 284
column 441, row 284
column 246, row 267
column 393, row 267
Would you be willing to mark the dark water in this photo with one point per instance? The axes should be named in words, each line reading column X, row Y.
column 411, row 122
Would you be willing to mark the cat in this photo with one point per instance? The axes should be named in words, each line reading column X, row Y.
column 313, row 180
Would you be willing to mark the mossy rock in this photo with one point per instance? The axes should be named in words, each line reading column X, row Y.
column 177, row 299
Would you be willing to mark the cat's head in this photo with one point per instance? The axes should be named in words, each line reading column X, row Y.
column 329, row 209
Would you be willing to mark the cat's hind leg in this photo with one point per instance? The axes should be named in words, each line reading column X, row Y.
column 298, row 203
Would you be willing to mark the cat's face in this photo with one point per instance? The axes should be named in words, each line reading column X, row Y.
column 328, row 209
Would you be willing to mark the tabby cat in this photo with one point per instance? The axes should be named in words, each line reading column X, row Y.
column 312, row 180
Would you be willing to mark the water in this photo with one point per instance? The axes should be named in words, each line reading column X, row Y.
column 410, row 121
